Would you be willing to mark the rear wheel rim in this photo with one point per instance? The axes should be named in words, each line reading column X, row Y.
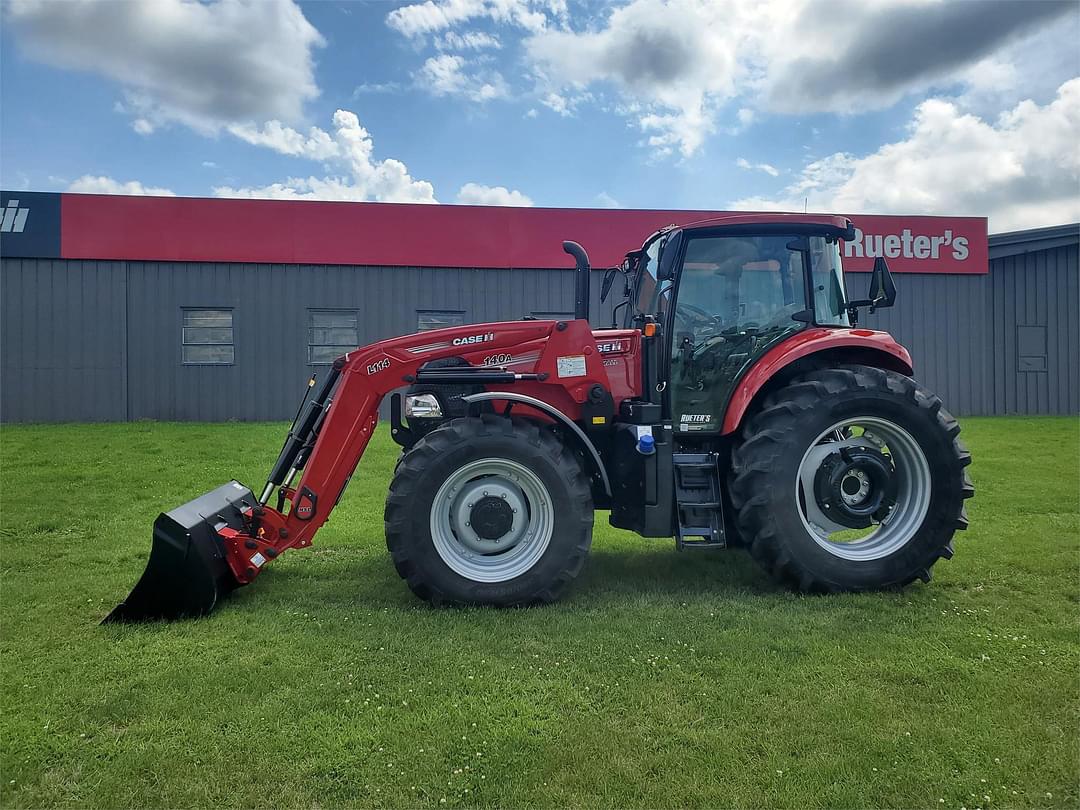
column 913, row 485
column 520, row 498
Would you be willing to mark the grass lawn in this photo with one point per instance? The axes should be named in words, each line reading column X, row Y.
column 663, row 680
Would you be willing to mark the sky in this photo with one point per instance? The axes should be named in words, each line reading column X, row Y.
column 967, row 107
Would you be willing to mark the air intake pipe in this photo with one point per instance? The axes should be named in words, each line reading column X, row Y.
column 581, row 282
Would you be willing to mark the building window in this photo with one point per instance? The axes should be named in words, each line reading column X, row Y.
column 207, row 337
column 331, row 333
column 1031, row 348
column 431, row 319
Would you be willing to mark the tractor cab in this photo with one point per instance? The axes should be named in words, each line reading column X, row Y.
column 723, row 293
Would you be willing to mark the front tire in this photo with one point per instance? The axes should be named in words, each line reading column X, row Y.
column 489, row 510
column 850, row 479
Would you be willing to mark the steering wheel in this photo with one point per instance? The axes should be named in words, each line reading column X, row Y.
column 688, row 314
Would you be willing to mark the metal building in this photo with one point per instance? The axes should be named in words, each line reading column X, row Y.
column 122, row 308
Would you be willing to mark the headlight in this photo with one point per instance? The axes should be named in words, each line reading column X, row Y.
column 422, row 406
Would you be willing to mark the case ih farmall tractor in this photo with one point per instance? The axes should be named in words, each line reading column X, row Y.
column 739, row 405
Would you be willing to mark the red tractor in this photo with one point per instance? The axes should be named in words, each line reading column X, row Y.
column 739, row 405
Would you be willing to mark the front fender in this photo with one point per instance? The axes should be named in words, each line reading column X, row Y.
column 555, row 413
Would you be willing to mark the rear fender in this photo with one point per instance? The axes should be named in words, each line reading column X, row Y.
column 864, row 346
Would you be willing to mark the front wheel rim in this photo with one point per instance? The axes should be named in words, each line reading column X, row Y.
column 529, row 520
column 904, row 518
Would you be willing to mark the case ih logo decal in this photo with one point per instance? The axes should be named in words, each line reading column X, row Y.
column 613, row 346
column 471, row 339
column 378, row 365
column 14, row 218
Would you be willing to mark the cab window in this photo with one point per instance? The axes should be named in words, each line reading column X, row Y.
column 830, row 305
column 651, row 296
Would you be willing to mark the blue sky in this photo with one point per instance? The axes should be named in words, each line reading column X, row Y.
column 902, row 106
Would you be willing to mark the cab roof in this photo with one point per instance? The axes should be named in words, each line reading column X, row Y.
column 830, row 222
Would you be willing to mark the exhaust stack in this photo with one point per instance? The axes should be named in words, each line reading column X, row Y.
column 581, row 282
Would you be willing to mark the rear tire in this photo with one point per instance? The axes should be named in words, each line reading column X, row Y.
column 923, row 497
column 538, row 506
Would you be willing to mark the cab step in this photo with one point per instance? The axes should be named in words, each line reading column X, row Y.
column 697, row 498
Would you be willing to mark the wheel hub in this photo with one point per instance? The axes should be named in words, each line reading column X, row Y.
column 855, row 485
column 489, row 515
column 491, row 518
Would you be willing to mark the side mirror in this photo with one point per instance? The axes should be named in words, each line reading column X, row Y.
column 882, row 287
column 882, row 291
column 669, row 252
column 609, row 279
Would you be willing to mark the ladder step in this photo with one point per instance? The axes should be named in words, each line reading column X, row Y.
column 697, row 496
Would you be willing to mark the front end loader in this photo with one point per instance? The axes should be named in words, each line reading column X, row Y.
column 739, row 403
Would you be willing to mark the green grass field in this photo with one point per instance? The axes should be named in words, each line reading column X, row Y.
column 663, row 680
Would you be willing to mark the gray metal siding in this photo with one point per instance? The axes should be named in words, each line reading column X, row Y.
column 62, row 347
column 963, row 333
column 1038, row 289
column 942, row 321
column 95, row 341
column 270, row 320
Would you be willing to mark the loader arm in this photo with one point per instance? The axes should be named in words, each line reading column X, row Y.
column 336, row 427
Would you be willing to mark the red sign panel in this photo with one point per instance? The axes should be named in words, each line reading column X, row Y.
column 184, row 229
column 919, row 244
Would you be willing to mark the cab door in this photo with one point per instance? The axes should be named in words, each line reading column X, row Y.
column 734, row 298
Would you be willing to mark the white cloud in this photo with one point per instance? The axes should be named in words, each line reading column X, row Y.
column 769, row 169
column 469, row 41
column 316, row 145
column 476, row 194
column 1022, row 170
column 375, row 87
column 202, row 64
column 676, row 58
column 885, row 50
column 605, row 200
column 209, row 164
column 101, row 184
column 432, row 16
column 446, row 75
column 682, row 61
column 349, row 149
column 566, row 104
column 142, row 126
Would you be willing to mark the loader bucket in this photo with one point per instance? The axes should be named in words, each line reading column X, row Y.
column 187, row 572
